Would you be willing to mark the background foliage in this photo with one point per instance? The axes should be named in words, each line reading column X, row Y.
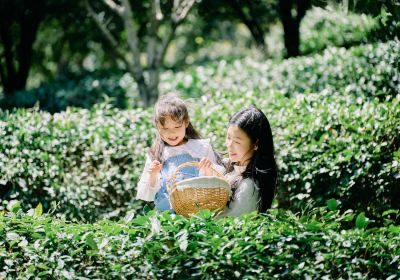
column 335, row 121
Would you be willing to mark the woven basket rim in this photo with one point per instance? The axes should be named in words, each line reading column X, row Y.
column 202, row 178
column 184, row 184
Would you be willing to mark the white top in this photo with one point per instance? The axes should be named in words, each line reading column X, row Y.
column 246, row 197
column 197, row 148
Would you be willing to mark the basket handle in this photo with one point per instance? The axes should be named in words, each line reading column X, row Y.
column 187, row 164
column 192, row 163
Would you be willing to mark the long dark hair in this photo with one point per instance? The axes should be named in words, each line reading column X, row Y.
column 172, row 106
column 262, row 168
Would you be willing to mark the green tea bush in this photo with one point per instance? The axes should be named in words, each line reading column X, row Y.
column 72, row 91
column 328, row 145
column 371, row 70
column 88, row 160
column 329, row 27
column 278, row 244
column 332, row 140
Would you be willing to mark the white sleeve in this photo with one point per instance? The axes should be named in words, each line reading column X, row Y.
column 245, row 200
column 210, row 154
column 144, row 190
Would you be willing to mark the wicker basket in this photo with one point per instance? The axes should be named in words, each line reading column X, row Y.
column 191, row 195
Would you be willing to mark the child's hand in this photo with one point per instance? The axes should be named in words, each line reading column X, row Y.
column 205, row 165
column 155, row 167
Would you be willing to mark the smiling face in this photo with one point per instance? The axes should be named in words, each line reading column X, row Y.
column 239, row 145
column 172, row 132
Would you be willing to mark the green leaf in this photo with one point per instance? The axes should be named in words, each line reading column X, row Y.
column 141, row 220
column 394, row 229
column 129, row 216
column 390, row 211
column 38, row 210
column 90, row 242
column 332, row 204
column 348, row 217
column 362, row 221
column 15, row 206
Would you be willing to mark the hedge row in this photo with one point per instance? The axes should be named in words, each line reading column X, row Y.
column 322, row 28
column 328, row 145
column 274, row 245
column 87, row 160
column 371, row 70
column 72, row 90
column 334, row 143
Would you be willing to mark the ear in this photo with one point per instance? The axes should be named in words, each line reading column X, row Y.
column 256, row 146
column 187, row 124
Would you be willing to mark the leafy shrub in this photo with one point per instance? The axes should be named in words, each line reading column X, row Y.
column 328, row 145
column 332, row 140
column 371, row 70
column 72, row 90
column 275, row 245
column 322, row 28
column 88, row 161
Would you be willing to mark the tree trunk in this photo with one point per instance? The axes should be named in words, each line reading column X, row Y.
column 154, row 79
column 29, row 28
column 291, row 24
column 251, row 23
column 14, row 73
column 156, row 47
column 8, row 70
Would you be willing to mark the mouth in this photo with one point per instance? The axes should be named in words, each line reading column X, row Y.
column 232, row 154
column 173, row 139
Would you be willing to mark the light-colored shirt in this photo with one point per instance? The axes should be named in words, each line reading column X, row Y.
column 246, row 197
column 197, row 148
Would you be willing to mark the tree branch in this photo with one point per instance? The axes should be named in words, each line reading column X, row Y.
column 250, row 22
column 107, row 34
column 114, row 6
column 158, row 12
column 133, row 41
column 179, row 12
column 181, row 9
column 154, row 23
column 164, row 45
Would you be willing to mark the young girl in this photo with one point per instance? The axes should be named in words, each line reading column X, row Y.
column 177, row 142
column 251, row 168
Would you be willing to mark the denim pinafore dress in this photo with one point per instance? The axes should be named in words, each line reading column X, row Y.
column 161, row 200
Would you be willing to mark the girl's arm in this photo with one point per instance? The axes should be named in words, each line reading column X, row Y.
column 146, row 190
column 245, row 200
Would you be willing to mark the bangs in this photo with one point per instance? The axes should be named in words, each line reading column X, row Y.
column 178, row 114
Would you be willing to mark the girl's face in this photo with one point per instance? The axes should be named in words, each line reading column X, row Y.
column 239, row 145
column 172, row 132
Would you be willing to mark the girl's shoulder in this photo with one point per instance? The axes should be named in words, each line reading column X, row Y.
column 202, row 143
column 197, row 148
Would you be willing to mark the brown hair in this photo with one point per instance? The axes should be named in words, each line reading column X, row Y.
column 172, row 106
